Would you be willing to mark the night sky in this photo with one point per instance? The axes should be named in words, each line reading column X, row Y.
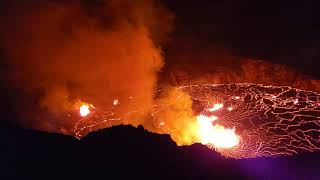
column 285, row 32
column 205, row 36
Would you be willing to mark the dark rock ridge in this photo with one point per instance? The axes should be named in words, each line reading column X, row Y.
column 127, row 152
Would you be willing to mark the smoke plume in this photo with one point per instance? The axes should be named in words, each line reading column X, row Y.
column 61, row 53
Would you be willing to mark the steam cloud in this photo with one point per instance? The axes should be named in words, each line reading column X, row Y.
column 60, row 53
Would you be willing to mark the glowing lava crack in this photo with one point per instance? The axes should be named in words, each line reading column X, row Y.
column 238, row 120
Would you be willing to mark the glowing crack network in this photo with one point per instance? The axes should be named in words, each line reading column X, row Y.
column 270, row 120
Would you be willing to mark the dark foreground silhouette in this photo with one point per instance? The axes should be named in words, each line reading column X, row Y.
column 125, row 152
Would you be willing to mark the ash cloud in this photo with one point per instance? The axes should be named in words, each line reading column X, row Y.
column 60, row 53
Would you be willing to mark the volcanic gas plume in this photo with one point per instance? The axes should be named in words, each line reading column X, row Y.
column 79, row 66
column 61, row 53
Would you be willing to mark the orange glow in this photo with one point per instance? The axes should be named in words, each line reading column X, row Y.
column 115, row 102
column 216, row 135
column 230, row 108
column 216, row 107
column 84, row 110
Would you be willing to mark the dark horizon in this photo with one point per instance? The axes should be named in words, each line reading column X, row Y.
column 285, row 32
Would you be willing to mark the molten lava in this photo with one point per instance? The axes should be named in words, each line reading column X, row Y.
column 216, row 135
column 84, row 110
column 216, row 107
column 239, row 120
